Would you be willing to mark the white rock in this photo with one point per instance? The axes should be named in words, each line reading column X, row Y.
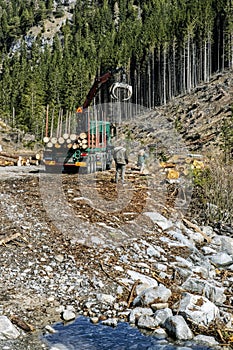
column 205, row 340
column 181, row 262
column 198, row 309
column 105, row 298
column 203, row 287
column 7, row 329
column 201, row 271
column 59, row 258
column 160, row 220
column 160, row 333
column 160, row 267
column 208, row 230
column 181, row 238
column 196, row 237
column 119, row 268
column 159, row 294
column 50, row 329
column 137, row 312
column 68, row 315
column 221, row 259
column 112, row 322
column 227, row 244
column 162, row 315
column 120, row 290
column 59, row 347
column 177, row 326
column 151, row 251
column 208, row 250
column 94, row 320
column 143, row 278
column 147, row 322
column 159, row 306
column 141, row 287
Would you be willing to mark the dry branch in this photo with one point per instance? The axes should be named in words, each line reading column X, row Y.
column 131, row 296
column 10, row 238
column 197, row 229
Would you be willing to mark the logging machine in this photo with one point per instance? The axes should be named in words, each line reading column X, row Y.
column 89, row 148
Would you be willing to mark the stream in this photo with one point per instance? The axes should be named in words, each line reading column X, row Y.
column 83, row 335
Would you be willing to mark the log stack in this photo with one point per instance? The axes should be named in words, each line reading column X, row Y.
column 9, row 159
column 74, row 141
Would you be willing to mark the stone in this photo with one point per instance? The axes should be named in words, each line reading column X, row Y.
column 153, row 295
column 160, row 333
column 198, row 309
column 142, row 278
column 147, row 322
column 112, row 322
column 151, row 251
column 203, row 287
column 159, row 306
column 50, row 329
column 58, row 347
column 68, row 315
column 227, row 244
column 162, row 315
column 137, row 312
column 177, row 327
column 7, row 329
column 105, row 298
column 160, row 220
column 208, row 250
column 181, row 238
column 205, row 340
column 221, row 259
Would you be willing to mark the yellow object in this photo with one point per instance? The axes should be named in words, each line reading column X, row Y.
column 81, row 164
column 172, row 174
column 50, row 162
column 198, row 164
column 167, row 165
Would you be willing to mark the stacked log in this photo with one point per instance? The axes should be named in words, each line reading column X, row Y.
column 81, row 141
column 8, row 159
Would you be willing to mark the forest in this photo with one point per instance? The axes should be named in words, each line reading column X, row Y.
column 166, row 46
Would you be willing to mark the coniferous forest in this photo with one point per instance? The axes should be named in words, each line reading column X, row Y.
column 166, row 46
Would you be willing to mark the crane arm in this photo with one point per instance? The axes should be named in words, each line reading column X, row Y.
column 95, row 87
column 99, row 81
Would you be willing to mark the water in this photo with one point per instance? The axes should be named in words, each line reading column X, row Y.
column 83, row 335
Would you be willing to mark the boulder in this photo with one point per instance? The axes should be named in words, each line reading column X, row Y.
column 7, row 329
column 178, row 328
column 198, row 309
column 139, row 311
column 159, row 294
column 202, row 287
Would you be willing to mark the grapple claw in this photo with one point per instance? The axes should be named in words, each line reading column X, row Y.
column 123, row 86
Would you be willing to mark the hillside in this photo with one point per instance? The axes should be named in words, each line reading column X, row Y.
column 198, row 116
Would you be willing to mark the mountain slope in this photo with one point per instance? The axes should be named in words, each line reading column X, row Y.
column 199, row 115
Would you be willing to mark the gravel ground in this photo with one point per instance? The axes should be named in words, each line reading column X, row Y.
column 46, row 266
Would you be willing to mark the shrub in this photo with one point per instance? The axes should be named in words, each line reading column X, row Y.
column 212, row 200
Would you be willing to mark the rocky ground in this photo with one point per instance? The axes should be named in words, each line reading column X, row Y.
column 146, row 265
column 73, row 244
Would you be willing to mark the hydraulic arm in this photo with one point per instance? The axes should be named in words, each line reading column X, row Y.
column 99, row 81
